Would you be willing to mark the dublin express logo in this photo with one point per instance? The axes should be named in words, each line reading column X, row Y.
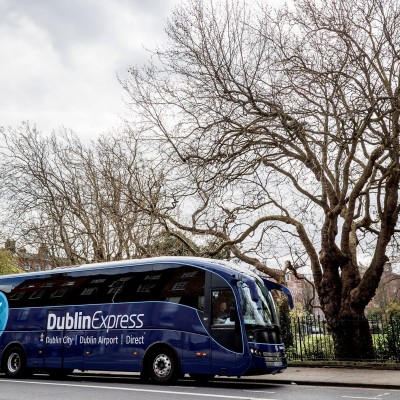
column 96, row 321
column 3, row 312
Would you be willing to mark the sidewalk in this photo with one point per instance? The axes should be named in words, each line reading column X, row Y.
column 378, row 378
column 318, row 376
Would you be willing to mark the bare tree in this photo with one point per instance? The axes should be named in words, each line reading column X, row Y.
column 76, row 198
column 285, row 125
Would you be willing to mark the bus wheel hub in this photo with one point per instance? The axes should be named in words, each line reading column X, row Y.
column 162, row 365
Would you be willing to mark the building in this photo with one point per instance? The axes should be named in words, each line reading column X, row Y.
column 388, row 290
column 41, row 260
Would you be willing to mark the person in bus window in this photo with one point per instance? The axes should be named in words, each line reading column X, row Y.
column 222, row 314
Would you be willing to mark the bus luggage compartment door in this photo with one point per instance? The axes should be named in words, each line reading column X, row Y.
column 54, row 344
column 196, row 356
column 62, row 348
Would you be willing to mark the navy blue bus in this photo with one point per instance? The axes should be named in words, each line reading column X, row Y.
column 163, row 317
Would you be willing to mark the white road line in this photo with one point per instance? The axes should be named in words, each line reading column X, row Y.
column 258, row 391
column 354, row 397
column 186, row 387
column 222, row 396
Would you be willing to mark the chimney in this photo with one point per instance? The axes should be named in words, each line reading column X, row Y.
column 22, row 251
column 43, row 251
column 10, row 246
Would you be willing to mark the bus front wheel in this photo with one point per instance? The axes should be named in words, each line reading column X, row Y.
column 162, row 366
column 14, row 363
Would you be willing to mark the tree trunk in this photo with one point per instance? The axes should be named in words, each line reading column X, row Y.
column 344, row 313
column 285, row 322
column 352, row 338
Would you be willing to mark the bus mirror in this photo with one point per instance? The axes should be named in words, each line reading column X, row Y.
column 276, row 286
column 253, row 290
column 233, row 315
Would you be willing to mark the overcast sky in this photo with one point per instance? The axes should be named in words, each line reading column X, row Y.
column 59, row 59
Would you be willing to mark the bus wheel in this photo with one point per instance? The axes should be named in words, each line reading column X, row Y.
column 14, row 363
column 162, row 366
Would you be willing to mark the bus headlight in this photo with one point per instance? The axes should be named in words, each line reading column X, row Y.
column 256, row 352
column 267, row 355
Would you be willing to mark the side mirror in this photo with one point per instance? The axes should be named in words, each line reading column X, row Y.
column 276, row 286
column 253, row 290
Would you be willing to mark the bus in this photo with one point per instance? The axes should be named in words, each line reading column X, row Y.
column 163, row 317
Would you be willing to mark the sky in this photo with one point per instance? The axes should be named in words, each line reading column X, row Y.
column 60, row 59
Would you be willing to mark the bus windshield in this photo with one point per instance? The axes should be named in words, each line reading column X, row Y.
column 261, row 313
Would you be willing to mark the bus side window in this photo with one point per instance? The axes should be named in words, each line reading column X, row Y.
column 183, row 285
column 222, row 301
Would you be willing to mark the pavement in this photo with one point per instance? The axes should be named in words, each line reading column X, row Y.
column 318, row 376
column 335, row 376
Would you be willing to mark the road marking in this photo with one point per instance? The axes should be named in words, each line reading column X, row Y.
column 377, row 397
column 354, row 397
column 258, row 391
column 186, row 387
column 220, row 396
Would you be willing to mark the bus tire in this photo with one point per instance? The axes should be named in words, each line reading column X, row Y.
column 14, row 363
column 162, row 366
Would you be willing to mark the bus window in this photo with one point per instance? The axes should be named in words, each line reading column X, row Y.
column 222, row 301
column 260, row 313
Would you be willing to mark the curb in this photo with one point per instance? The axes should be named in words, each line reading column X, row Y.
column 267, row 380
column 335, row 384
column 345, row 364
column 316, row 382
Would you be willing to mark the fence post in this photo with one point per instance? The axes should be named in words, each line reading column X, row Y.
column 394, row 337
column 300, row 338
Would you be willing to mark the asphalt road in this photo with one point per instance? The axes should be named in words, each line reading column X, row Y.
column 123, row 388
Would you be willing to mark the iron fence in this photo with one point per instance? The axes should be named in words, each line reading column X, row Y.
column 309, row 339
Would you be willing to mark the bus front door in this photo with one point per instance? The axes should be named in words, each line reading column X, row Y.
column 227, row 342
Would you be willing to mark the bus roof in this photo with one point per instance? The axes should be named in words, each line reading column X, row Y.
column 214, row 264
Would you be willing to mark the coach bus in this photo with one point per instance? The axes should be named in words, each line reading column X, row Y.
column 163, row 317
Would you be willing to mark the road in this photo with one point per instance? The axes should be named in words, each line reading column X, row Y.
column 113, row 387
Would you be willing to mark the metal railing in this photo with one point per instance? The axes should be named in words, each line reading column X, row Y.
column 309, row 339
